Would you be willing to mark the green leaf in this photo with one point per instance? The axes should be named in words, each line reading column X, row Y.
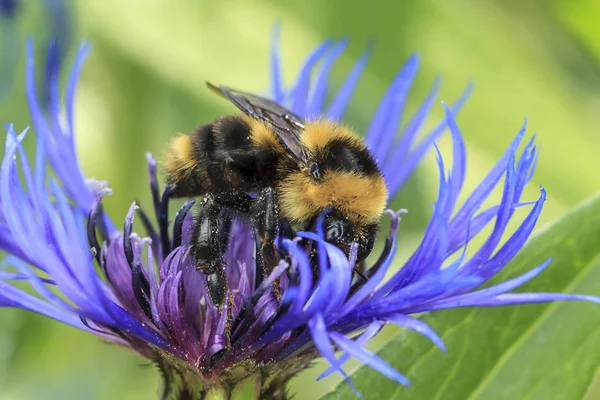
column 519, row 352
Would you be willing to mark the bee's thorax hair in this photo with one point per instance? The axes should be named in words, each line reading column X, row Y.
column 351, row 181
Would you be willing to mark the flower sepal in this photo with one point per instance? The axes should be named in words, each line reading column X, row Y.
column 247, row 380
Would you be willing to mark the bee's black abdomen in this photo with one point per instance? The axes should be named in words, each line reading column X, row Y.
column 219, row 157
column 233, row 132
column 210, row 152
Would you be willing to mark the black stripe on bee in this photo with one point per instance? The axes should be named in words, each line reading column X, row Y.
column 344, row 155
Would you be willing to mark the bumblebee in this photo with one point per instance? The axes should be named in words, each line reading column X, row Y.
column 270, row 165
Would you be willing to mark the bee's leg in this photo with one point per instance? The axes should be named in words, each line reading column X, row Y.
column 265, row 222
column 233, row 203
column 225, row 229
column 208, row 250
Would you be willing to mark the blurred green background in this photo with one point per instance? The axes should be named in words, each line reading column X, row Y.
column 144, row 81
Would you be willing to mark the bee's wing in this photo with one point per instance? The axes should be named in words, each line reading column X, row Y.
column 285, row 123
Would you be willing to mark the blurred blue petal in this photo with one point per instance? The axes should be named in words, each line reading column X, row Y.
column 57, row 21
column 9, row 8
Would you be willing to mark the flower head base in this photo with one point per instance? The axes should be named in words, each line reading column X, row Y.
column 148, row 295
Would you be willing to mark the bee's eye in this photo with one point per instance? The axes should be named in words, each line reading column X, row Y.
column 335, row 230
column 315, row 171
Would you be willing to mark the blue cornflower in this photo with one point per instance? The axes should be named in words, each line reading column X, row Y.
column 148, row 295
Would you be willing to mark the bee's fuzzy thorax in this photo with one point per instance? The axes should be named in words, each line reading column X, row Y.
column 351, row 182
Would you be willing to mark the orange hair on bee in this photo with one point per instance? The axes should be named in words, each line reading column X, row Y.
column 361, row 198
column 181, row 158
column 360, row 195
column 318, row 133
column 262, row 135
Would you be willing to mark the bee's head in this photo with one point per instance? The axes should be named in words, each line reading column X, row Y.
column 342, row 232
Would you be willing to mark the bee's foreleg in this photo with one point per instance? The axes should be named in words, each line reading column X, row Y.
column 207, row 244
column 265, row 222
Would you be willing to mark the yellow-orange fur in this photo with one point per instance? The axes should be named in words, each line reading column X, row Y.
column 361, row 198
column 318, row 133
column 261, row 135
column 180, row 159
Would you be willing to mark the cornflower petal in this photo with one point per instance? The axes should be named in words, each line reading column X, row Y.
column 509, row 299
column 301, row 89
column 372, row 330
column 340, row 102
column 57, row 139
column 323, row 343
column 398, row 173
column 319, row 92
column 403, row 144
column 418, row 326
column 368, row 358
column 386, row 120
